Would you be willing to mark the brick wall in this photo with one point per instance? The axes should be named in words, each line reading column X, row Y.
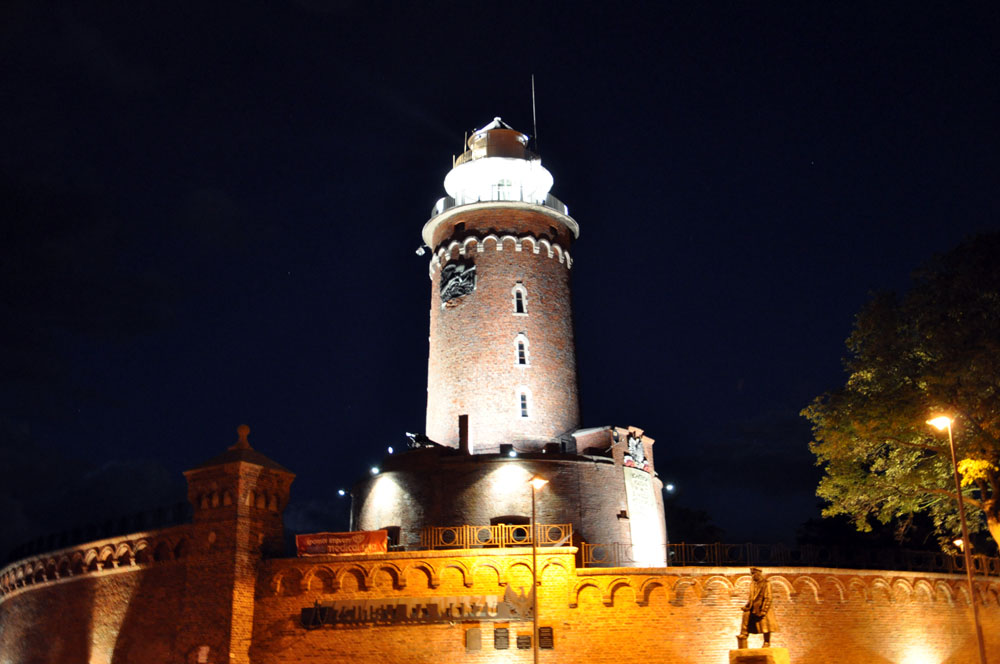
column 670, row 615
column 439, row 487
column 472, row 364
column 127, row 614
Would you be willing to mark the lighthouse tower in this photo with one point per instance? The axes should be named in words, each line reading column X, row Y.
column 502, row 398
column 501, row 324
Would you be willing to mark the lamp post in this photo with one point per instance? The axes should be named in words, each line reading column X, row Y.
column 536, row 482
column 941, row 423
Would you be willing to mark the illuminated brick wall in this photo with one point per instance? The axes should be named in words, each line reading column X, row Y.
column 473, row 367
column 435, row 487
column 669, row 615
column 132, row 613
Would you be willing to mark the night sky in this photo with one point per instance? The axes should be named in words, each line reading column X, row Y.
column 211, row 210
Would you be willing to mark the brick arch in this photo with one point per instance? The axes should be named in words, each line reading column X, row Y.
column 614, row 587
column 38, row 572
column 646, row 590
column 470, row 240
column 942, row 589
column 326, row 577
column 992, row 595
column 287, row 582
column 463, row 569
column 51, row 568
column 781, row 588
column 857, row 586
column 547, row 246
column 902, row 591
column 717, row 580
column 553, row 564
column 804, row 589
column 511, row 564
column 394, row 572
column 433, row 581
column 529, row 239
column 78, row 564
column 496, row 240
column 358, row 572
column 836, row 585
column 501, row 577
column 91, row 560
column 682, row 587
column 574, row 594
column 923, row 592
column 503, row 241
column 880, row 588
column 64, row 566
column 963, row 593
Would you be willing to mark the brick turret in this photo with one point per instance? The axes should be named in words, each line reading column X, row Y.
column 501, row 326
column 238, row 498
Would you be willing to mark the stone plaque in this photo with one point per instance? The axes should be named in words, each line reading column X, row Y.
column 644, row 519
column 501, row 638
column 523, row 641
column 474, row 639
column 545, row 640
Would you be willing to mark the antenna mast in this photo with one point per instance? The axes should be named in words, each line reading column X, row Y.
column 534, row 118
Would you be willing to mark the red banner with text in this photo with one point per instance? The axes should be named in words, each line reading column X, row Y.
column 362, row 541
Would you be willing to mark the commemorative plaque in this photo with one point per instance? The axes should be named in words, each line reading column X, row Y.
column 545, row 640
column 523, row 641
column 501, row 638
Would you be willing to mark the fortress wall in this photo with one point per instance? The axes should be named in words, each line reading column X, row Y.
column 126, row 614
column 670, row 615
column 131, row 613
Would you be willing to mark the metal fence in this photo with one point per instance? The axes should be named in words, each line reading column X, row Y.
column 719, row 554
column 501, row 535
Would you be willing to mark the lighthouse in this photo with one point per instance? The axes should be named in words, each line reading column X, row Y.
column 501, row 325
column 502, row 391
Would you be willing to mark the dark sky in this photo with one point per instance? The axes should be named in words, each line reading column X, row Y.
column 210, row 212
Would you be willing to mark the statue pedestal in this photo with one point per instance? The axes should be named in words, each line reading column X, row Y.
column 759, row 656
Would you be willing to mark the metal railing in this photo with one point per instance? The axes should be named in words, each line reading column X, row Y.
column 719, row 554
column 501, row 535
column 447, row 202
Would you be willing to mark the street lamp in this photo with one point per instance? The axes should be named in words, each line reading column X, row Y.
column 941, row 423
column 536, row 482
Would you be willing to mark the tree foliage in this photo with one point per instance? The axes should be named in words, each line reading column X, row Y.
column 935, row 350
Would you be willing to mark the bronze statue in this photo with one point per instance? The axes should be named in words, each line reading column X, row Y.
column 758, row 618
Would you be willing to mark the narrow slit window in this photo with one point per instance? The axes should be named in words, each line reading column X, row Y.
column 522, row 353
column 524, row 404
column 520, row 299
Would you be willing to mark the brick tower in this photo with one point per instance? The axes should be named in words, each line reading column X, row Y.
column 502, row 400
column 501, row 325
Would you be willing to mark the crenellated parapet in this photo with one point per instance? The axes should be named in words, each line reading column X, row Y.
column 115, row 555
column 478, row 244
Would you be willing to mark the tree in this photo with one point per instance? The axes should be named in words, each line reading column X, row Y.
column 935, row 350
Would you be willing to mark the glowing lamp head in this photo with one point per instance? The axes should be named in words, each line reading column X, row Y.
column 512, row 454
column 537, row 482
column 669, row 487
column 940, row 422
column 341, row 492
column 375, row 470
